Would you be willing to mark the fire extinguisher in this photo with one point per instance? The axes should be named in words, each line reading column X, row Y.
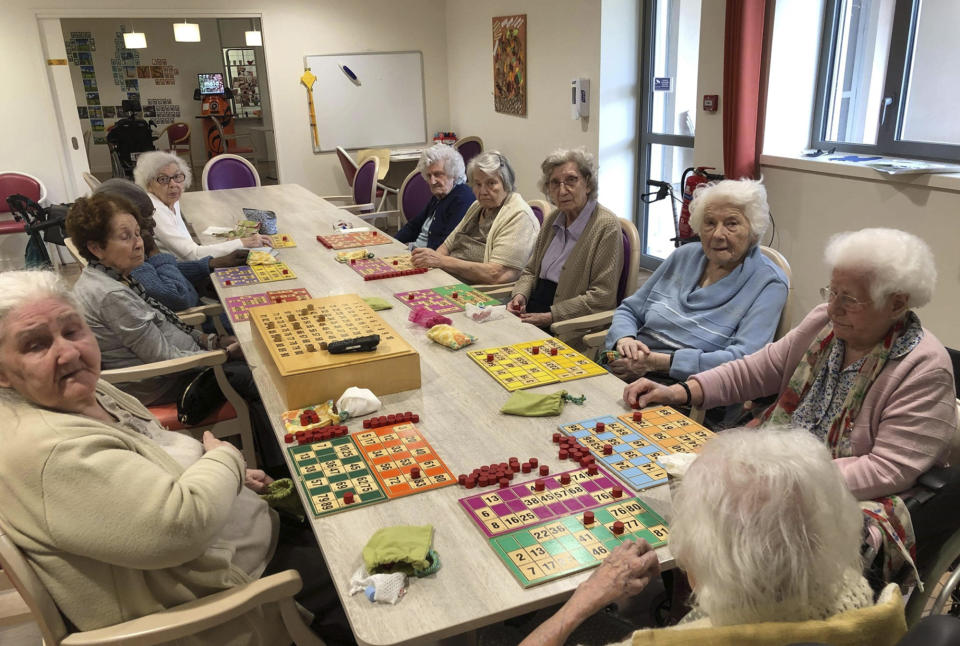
column 690, row 180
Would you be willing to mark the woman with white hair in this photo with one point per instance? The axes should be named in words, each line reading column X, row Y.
column 767, row 534
column 494, row 239
column 709, row 303
column 165, row 176
column 859, row 372
column 442, row 167
column 576, row 263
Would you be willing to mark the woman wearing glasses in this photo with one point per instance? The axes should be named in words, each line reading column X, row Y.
column 707, row 303
column 166, row 176
column 859, row 372
column 494, row 239
column 576, row 263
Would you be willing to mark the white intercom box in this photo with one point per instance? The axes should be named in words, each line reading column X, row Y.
column 579, row 98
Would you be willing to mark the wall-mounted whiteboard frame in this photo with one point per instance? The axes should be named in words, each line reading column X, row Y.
column 385, row 106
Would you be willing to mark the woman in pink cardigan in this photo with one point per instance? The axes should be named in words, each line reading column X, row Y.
column 859, row 372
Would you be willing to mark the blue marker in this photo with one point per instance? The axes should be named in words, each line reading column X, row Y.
column 349, row 72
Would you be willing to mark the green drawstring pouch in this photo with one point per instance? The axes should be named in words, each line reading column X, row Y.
column 404, row 548
column 535, row 405
column 376, row 303
column 608, row 356
column 282, row 496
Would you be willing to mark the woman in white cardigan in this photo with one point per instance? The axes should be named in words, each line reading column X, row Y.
column 494, row 240
column 165, row 177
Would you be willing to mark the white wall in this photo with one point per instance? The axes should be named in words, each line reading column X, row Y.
column 563, row 42
column 708, row 147
column 291, row 30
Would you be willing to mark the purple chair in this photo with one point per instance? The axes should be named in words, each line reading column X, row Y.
column 229, row 171
column 469, row 147
column 362, row 201
column 540, row 209
column 414, row 195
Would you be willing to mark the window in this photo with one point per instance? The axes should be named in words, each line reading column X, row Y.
column 886, row 82
column 671, row 47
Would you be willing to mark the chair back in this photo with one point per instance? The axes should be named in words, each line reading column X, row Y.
column 415, row 193
column 630, row 274
column 31, row 589
column 540, row 209
column 365, row 182
column 178, row 134
column 469, row 147
column 91, row 181
column 74, row 251
column 348, row 165
column 229, row 171
column 13, row 182
column 786, row 315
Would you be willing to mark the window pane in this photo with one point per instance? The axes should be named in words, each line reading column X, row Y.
column 667, row 164
column 932, row 88
column 675, row 61
column 858, row 71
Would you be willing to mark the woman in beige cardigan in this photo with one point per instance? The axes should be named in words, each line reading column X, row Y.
column 576, row 265
column 495, row 238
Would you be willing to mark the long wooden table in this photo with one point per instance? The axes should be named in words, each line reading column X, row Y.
column 458, row 405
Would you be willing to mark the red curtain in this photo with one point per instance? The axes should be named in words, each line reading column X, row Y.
column 745, row 59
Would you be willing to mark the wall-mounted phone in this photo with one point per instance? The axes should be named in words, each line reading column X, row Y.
column 579, row 98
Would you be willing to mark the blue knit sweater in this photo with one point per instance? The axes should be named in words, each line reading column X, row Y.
column 174, row 283
column 703, row 326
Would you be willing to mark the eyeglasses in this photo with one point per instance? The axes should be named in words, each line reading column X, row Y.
column 848, row 303
column 570, row 181
column 163, row 179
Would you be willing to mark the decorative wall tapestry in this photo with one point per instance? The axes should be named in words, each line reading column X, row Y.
column 510, row 64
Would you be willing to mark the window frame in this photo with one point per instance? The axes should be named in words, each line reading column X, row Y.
column 895, row 87
column 647, row 137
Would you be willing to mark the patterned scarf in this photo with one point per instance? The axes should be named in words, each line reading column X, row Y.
column 888, row 514
column 138, row 289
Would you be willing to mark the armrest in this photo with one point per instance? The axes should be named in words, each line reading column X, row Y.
column 195, row 616
column 197, row 316
column 337, row 198
column 939, row 478
column 496, row 287
column 159, row 368
column 357, row 209
column 193, row 319
column 388, row 189
column 207, row 309
column 582, row 324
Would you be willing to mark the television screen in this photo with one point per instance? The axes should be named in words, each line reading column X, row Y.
column 211, row 83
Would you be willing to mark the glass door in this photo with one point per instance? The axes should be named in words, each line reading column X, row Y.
column 241, row 66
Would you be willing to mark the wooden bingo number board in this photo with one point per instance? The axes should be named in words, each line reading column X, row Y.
column 534, row 363
column 556, row 548
column 394, row 451
column 636, row 444
column 445, row 300
column 502, row 511
column 351, row 240
column 374, row 465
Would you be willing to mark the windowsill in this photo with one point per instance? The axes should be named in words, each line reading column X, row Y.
column 823, row 165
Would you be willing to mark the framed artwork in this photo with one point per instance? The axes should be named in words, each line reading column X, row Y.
column 510, row 64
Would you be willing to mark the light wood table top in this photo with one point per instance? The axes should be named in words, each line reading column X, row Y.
column 458, row 404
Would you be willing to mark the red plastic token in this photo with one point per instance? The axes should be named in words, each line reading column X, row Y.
column 637, row 416
column 504, row 483
column 544, row 470
column 600, row 426
column 348, row 498
column 556, row 438
column 608, row 449
column 588, row 518
column 592, row 469
column 565, row 478
column 288, row 439
column 470, row 483
column 414, row 418
column 227, row 282
column 538, row 485
column 534, row 462
column 454, row 295
column 618, row 527
column 616, row 492
column 415, row 473
column 553, row 352
column 525, row 467
column 535, row 349
column 489, row 358
column 563, row 454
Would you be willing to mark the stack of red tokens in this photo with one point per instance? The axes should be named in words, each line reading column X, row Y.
column 388, row 420
column 315, row 435
column 571, row 449
column 309, row 416
column 498, row 474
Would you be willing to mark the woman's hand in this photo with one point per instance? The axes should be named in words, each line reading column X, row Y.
column 256, row 240
column 210, row 442
column 540, row 319
column 630, row 348
column 235, row 258
column 426, row 257
column 517, row 305
column 624, row 573
column 256, row 480
column 644, row 392
column 630, row 369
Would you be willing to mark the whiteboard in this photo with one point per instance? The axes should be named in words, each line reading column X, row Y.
column 383, row 107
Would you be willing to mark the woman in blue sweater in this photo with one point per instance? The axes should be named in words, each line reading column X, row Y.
column 709, row 303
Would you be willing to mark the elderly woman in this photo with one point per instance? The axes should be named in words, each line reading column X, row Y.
column 175, row 283
column 768, row 534
column 442, row 167
column 576, row 264
column 493, row 242
column 860, row 373
column 118, row 516
column 166, row 176
column 709, row 303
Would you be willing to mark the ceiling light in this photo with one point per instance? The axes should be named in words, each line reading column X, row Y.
column 186, row 32
column 254, row 38
column 134, row 40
